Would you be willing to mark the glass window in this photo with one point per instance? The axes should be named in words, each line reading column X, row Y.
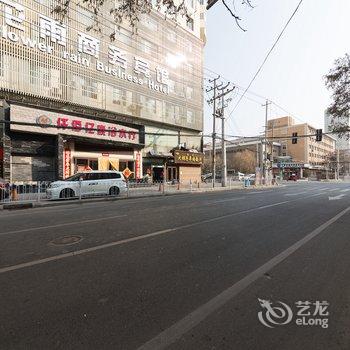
column 119, row 95
column 33, row 72
column 114, row 176
column 89, row 88
column 190, row 118
column 148, row 47
column 1, row 65
column 189, row 68
column 92, row 176
column 123, row 35
column 85, row 17
column 171, row 35
column 75, row 177
column 189, row 92
column 150, row 23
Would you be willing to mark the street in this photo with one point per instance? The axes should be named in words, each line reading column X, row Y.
column 178, row 272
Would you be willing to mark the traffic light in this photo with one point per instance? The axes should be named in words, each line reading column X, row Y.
column 294, row 138
column 318, row 135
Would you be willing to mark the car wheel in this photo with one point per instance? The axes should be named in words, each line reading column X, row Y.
column 67, row 193
column 114, row 191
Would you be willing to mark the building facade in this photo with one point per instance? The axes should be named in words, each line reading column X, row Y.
column 306, row 153
column 82, row 93
column 243, row 155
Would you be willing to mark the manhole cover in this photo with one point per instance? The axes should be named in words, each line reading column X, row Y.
column 66, row 240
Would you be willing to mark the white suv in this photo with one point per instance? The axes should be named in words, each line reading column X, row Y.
column 92, row 183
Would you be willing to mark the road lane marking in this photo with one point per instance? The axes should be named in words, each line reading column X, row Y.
column 137, row 238
column 60, row 225
column 261, row 191
column 225, row 200
column 295, row 194
column 273, row 205
column 336, row 197
column 346, row 190
column 180, row 328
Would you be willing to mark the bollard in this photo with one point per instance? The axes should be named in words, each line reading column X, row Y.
column 178, row 185
column 14, row 194
column 80, row 189
column 39, row 190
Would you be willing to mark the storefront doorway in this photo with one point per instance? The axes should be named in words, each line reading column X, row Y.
column 172, row 173
column 157, row 173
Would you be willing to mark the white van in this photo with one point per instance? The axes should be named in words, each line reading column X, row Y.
column 92, row 183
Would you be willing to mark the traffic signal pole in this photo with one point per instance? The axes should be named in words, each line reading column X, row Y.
column 265, row 166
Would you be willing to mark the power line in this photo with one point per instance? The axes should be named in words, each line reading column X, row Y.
column 266, row 57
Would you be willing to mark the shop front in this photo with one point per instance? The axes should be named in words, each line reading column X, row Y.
column 188, row 166
column 177, row 166
column 48, row 145
column 290, row 170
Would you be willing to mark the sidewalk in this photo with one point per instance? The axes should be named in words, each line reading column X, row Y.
column 134, row 193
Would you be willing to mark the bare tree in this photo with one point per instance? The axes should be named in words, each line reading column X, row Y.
column 243, row 161
column 130, row 11
column 338, row 81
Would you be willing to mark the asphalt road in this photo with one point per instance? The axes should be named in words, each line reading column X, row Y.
column 180, row 272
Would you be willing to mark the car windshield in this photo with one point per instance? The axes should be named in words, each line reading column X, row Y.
column 74, row 177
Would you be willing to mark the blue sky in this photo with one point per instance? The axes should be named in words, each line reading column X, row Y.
column 293, row 75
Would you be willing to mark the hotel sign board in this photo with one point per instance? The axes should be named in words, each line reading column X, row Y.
column 290, row 165
column 53, row 123
column 88, row 51
column 183, row 157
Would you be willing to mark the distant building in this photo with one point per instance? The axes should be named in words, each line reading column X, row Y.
column 237, row 161
column 343, row 141
column 306, row 153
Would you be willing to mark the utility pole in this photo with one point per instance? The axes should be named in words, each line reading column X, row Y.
column 265, row 166
column 338, row 165
column 221, row 114
column 213, row 100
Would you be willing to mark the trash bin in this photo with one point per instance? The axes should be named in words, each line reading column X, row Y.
column 246, row 182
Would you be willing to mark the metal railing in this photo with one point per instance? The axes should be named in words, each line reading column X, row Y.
column 43, row 191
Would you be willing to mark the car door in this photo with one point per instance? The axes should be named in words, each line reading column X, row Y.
column 104, row 183
column 89, row 184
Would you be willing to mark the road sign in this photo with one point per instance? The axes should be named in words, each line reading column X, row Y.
column 127, row 172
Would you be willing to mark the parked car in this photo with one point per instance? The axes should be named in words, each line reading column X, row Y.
column 238, row 176
column 4, row 189
column 292, row 177
column 92, row 183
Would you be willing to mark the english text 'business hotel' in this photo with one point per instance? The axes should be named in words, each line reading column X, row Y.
column 73, row 99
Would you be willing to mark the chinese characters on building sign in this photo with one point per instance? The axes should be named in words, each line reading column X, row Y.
column 182, row 157
column 67, row 163
column 46, row 122
column 88, row 49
